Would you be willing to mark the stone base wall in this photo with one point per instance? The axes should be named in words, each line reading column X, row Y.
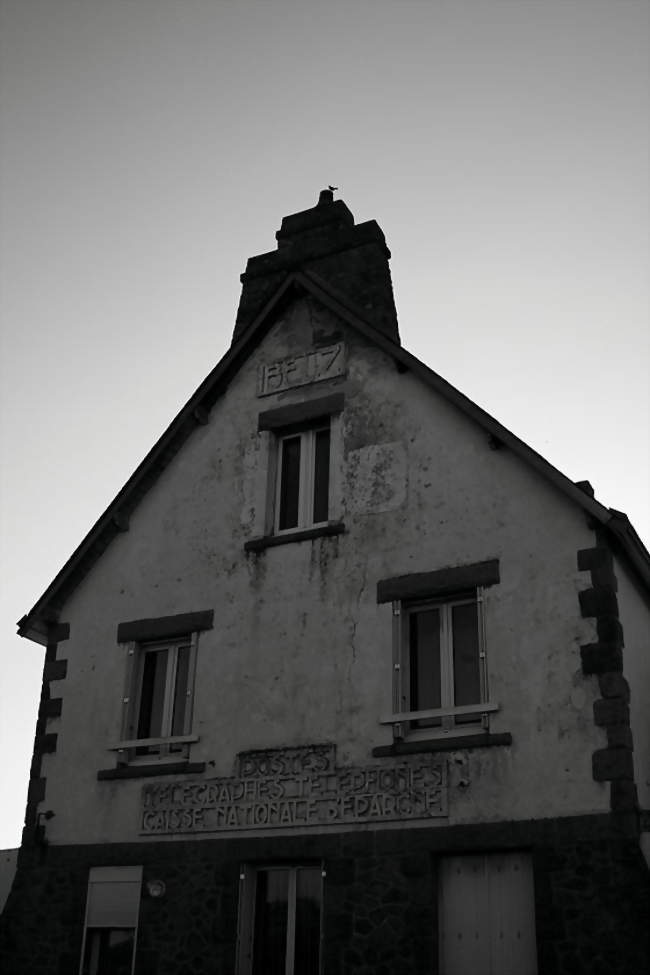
column 592, row 893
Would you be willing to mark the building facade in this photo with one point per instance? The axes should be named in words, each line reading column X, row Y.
column 347, row 680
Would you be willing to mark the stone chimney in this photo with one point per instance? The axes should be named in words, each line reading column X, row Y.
column 353, row 258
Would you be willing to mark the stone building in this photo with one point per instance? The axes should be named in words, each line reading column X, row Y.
column 347, row 680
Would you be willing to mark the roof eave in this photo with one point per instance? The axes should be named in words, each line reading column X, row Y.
column 115, row 519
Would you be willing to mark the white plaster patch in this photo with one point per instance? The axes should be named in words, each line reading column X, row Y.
column 377, row 478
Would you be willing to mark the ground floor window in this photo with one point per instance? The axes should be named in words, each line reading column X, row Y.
column 280, row 920
column 487, row 915
column 112, row 909
column 109, row 951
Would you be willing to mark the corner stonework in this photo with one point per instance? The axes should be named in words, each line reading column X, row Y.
column 45, row 742
column 604, row 658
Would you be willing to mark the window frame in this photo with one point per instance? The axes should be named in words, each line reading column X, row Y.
column 170, row 748
column 99, row 877
column 307, row 475
column 273, row 425
column 246, row 916
column 406, row 720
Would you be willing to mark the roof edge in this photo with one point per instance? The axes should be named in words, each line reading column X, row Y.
column 195, row 412
column 626, row 541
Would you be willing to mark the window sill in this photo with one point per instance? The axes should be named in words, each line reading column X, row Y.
column 146, row 771
column 481, row 740
column 269, row 541
column 483, row 708
column 152, row 742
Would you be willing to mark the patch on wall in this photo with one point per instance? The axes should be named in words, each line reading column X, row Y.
column 377, row 477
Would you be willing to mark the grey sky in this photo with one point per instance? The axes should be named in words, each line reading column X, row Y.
column 149, row 147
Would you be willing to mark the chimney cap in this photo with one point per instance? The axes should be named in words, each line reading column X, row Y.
column 325, row 240
column 329, row 217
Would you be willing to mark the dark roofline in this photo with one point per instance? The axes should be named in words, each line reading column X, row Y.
column 115, row 519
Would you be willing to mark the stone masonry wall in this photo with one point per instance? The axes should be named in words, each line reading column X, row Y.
column 592, row 897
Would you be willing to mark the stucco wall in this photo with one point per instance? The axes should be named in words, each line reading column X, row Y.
column 300, row 651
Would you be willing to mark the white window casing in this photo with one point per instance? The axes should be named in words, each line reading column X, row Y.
column 112, row 904
column 404, row 714
column 164, row 746
column 305, row 514
column 247, row 929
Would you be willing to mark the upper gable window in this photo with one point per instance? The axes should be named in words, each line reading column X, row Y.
column 302, row 491
column 302, row 496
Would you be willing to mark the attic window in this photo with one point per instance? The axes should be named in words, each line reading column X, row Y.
column 302, row 494
column 302, row 490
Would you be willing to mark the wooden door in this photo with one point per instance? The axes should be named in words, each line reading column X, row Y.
column 487, row 915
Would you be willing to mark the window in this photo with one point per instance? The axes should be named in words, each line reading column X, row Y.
column 112, row 908
column 158, row 702
column 300, row 441
column 162, row 704
column 280, row 920
column 159, row 687
column 441, row 664
column 487, row 915
column 303, row 474
column 440, row 680
column 159, row 711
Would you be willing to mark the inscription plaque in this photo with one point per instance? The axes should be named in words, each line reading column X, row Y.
column 300, row 369
column 297, row 787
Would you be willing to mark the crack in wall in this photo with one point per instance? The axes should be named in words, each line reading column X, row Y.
column 355, row 620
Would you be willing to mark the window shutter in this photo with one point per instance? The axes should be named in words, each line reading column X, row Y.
column 464, row 922
column 512, row 915
column 398, row 703
column 487, row 915
column 245, row 920
column 113, row 897
column 482, row 642
column 191, row 676
column 128, row 704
